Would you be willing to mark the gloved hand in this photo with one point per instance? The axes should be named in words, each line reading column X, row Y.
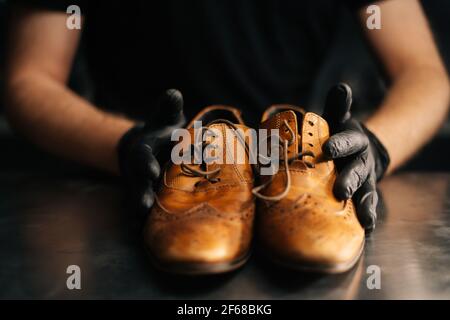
column 139, row 148
column 360, row 157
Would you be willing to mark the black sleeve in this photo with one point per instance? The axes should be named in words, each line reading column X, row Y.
column 358, row 4
column 59, row 5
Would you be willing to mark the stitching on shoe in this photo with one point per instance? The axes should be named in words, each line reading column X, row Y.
column 159, row 213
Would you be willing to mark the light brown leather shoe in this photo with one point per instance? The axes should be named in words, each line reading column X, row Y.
column 202, row 219
column 300, row 222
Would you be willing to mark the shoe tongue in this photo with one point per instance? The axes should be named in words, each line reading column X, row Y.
column 315, row 132
column 310, row 131
column 220, row 135
column 278, row 122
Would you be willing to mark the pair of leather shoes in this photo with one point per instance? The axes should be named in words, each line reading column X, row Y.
column 202, row 221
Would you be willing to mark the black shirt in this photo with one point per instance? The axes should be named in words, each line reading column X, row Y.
column 245, row 53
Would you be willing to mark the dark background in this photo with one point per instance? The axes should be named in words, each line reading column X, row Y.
column 349, row 61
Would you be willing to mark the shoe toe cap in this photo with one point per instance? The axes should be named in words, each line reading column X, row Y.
column 314, row 239
column 195, row 241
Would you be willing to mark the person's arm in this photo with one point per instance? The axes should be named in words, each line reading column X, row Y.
column 415, row 107
column 418, row 100
column 41, row 107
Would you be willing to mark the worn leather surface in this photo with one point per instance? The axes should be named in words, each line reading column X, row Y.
column 202, row 222
column 308, row 227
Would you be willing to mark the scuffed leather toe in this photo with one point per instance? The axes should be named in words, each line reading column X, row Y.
column 314, row 237
column 203, row 238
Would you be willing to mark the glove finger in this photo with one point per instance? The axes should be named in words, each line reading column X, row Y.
column 366, row 200
column 153, row 168
column 338, row 105
column 345, row 143
column 146, row 198
column 148, row 164
column 351, row 178
column 169, row 110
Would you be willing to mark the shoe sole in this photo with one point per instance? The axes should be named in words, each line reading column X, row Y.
column 318, row 267
column 196, row 269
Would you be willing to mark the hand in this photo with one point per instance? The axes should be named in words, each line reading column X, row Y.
column 360, row 157
column 140, row 147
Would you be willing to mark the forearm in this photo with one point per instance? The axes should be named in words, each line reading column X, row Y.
column 58, row 120
column 412, row 112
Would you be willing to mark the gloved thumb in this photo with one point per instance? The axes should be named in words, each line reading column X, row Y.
column 169, row 110
column 338, row 105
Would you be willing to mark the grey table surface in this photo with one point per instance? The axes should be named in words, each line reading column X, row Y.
column 50, row 222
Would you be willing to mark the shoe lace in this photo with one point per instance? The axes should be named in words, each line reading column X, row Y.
column 284, row 144
column 201, row 171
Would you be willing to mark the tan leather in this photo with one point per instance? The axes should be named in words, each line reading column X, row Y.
column 308, row 228
column 202, row 226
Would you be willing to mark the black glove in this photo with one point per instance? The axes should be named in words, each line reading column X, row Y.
column 142, row 148
column 360, row 157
